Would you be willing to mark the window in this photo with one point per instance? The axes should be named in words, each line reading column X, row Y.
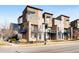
column 78, row 24
column 34, row 27
column 33, row 35
column 47, row 19
column 34, row 31
column 31, row 15
column 58, row 28
column 67, row 19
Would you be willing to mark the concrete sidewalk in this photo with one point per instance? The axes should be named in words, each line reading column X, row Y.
column 53, row 43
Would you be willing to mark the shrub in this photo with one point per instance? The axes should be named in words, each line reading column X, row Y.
column 13, row 40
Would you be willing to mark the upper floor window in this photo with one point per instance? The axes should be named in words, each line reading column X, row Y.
column 31, row 14
column 78, row 26
column 67, row 19
column 47, row 19
column 34, row 28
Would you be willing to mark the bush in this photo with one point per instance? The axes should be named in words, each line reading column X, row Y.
column 13, row 40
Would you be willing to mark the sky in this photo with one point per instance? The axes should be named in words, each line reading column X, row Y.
column 10, row 13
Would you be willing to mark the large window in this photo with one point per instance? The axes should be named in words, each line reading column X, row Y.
column 34, row 31
column 47, row 19
column 67, row 19
column 31, row 15
column 34, row 28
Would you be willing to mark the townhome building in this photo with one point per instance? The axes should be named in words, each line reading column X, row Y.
column 75, row 29
column 63, row 27
column 36, row 26
column 47, row 17
column 31, row 24
column 59, row 28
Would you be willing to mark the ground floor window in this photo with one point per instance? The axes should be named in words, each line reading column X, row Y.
column 34, row 31
column 34, row 35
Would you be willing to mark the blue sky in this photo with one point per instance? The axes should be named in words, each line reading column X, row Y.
column 69, row 10
column 10, row 13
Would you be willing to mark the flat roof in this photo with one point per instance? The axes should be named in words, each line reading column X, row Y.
column 77, row 19
column 47, row 13
column 74, row 20
column 34, row 7
column 64, row 16
column 28, row 6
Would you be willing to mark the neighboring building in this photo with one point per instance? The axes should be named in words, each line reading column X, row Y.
column 63, row 26
column 50, row 33
column 31, row 24
column 59, row 28
column 75, row 28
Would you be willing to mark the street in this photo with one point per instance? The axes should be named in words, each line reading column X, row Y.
column 71, row 47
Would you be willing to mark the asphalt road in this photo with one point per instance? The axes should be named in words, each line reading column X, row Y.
column 62, row 48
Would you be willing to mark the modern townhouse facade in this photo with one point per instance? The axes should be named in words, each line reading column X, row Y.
column 59, row 28
column 47, row 17
column 37, row 26
column 63, row 26
column 31, row 23
column 75, row 29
